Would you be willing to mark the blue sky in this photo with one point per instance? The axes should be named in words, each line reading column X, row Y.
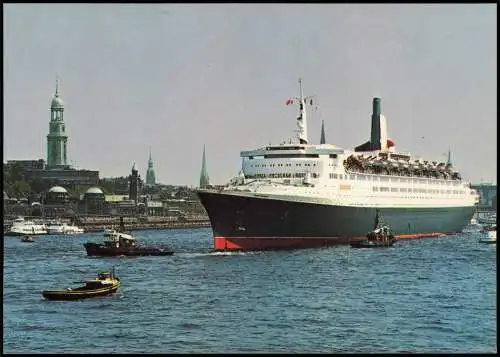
column 177, row 76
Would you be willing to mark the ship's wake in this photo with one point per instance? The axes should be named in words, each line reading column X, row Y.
column 214, row 254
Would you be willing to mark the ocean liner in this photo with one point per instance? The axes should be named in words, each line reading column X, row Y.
column 299, row 195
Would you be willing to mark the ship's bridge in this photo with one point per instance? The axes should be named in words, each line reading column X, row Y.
column 289, row 150
column 289, row 161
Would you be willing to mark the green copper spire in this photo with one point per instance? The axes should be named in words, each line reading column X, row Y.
column 322, row 140
column 204, row 180
column 57, row 139
column 150, row 173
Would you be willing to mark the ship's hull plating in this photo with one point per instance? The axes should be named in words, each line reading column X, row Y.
column 99, row 250
column 257, row 223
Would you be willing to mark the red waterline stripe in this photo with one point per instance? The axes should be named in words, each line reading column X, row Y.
column 263, row 243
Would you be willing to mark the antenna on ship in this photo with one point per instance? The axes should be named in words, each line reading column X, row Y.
column 302, row 118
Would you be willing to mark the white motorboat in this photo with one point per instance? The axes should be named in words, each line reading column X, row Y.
column 58, row 227
column 473, row 227
column 491, row 233
column 488, row 219
column 21, row 227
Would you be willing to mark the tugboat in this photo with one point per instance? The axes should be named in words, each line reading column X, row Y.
column 380, row 237
column 117, row 243
column 105, row 284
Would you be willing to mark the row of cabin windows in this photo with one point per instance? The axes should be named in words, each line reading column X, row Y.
column 390, row 179
column 280, row 165
column 281, row 175
column 418, row 190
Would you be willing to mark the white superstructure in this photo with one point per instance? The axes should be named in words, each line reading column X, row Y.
column 328, row 174
column 23, row 227
column 114, row 236
column 58, row 227
column 492, row 234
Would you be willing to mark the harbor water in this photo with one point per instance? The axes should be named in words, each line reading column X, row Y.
column 429, row 295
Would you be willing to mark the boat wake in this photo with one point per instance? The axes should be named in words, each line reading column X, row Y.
column 215, row 254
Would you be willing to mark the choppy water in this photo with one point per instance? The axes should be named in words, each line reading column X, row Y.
column 429, row 295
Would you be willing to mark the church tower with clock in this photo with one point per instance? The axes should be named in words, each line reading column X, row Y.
column 57, row 139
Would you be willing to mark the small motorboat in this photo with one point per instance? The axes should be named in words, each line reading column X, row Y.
column 380, row 237
column 473, row 227
column 491, row 232
column 105, row 284
column 27, row 239
column 117, row 243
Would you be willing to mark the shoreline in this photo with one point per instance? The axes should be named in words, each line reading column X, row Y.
column 98, row 228
column 95, row 228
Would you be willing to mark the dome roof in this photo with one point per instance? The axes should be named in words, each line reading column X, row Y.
column 95, row 190
column 58, row 189
column 57, row 102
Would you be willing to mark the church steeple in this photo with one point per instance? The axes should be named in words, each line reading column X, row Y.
column 133, row 187
column 449, row 157
column 204, row 180
column 322, row 140
column 150, row 173
column 57, row 139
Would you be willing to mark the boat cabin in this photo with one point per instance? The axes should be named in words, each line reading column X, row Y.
column 116, row 239
column 103, row 278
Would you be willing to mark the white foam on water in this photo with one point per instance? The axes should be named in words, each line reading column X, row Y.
column 214, row 254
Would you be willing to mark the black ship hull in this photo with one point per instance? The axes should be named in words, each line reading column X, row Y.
column 100, row 250
column 240, row 222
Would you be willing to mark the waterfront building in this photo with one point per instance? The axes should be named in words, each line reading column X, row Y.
column 57, row 204
column 150, row 173
column 93, row 201
column 67, row 176
column 26, row 165
column 120, row 185
column 57, row 195
column 155, row 208
column 487, row 196
column 204, row 180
